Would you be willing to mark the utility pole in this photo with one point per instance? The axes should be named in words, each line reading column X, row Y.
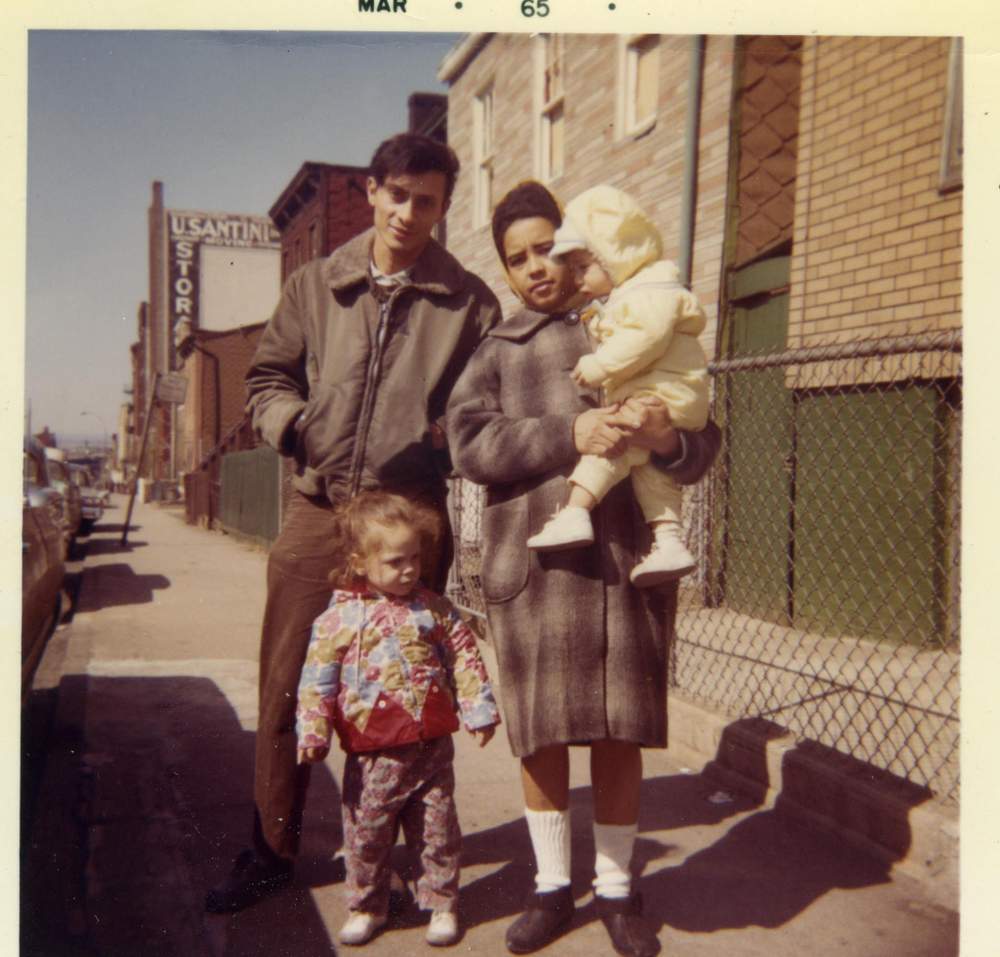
column 142, row 453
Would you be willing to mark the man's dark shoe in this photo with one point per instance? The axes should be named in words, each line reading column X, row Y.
column 545, row 917
column 630, row 935
column 251, row 879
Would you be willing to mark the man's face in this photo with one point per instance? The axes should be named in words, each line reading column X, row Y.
column 407, row 208
column 540, row 282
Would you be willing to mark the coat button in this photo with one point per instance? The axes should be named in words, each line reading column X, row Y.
column 434, row 687
column 381, row 704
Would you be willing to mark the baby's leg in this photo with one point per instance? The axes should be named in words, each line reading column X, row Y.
column 593, row 477
column 660, row 498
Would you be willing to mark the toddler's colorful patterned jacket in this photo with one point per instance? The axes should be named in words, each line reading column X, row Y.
column 384, row 671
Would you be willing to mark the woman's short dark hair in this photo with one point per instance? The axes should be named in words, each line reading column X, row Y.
column 525, row 201
column 413, row 153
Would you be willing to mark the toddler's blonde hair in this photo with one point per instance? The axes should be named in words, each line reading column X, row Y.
column 361, row 521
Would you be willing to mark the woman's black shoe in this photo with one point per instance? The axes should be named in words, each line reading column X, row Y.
column 250, row 880
column 545, row 917
column 630, row 935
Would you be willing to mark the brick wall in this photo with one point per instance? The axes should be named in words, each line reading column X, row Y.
column 295, row 236
column 877, row 247
column 347, row 209
column 216, row 389
column 650, row 167
column 323, row 207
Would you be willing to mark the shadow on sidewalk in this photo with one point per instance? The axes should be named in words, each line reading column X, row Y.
column 112, row 528
column 111, row 546
column 763, row 870
column 145, row 800
column 667, row 803
column 115, row 584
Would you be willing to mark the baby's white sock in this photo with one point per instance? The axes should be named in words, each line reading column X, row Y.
column 549, row 832
column 613, row 844
column 667, row 529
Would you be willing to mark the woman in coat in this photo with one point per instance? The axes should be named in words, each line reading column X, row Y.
column 582, row 654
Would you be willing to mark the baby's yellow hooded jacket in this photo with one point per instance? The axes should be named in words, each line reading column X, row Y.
column 647, row 331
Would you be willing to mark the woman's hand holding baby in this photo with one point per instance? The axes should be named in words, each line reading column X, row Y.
column 646, row 421
column 595, row 432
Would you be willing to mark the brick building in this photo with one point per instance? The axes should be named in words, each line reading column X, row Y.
column 878, row 213
column 855, row 171
column 571, row 127
column 810, row 187
column 427, row 114
column 322, row 207
column 216, row 365
column 208, row 272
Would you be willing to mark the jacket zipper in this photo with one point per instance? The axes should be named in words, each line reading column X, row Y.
column 368, row 400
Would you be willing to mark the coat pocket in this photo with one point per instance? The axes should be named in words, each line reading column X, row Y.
column 319, row 431
column 505, row 560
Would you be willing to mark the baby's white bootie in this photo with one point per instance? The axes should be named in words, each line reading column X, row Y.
column 570, row 527
column 668, row 559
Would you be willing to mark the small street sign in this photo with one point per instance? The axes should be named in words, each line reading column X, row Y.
column 172, row 387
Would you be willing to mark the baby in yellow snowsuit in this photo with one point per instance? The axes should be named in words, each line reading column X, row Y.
column 646, row 335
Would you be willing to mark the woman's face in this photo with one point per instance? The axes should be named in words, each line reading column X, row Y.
column 541, row 283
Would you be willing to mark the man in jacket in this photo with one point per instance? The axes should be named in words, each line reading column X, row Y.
column 350, row 377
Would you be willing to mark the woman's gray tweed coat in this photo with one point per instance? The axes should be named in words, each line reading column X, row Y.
column 582, row 653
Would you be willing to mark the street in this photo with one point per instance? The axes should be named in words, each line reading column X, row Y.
column 139, row 743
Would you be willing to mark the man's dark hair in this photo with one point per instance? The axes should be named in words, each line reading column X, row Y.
column 413, row 153
column 525, row 201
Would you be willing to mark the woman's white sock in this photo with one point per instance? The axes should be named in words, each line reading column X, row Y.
column 549, row 832
column 613, row 844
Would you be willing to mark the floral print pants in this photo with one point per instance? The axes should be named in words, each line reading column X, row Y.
column 414, row 785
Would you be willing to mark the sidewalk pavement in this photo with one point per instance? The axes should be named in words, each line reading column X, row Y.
column 145, row 798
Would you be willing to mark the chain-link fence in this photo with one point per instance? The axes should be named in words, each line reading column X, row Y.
column 826, row 598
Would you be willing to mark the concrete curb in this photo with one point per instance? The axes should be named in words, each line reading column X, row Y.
column 873, row 810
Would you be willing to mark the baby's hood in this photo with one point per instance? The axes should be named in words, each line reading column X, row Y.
column 616, row 230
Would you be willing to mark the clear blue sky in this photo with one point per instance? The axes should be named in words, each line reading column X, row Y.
column 223, row 119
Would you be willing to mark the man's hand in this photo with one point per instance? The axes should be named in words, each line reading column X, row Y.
column 594, row 433
column 646, row 420
column 438, row 438
column 312, row 755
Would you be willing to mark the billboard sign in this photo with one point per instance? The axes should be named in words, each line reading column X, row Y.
column 186, row 232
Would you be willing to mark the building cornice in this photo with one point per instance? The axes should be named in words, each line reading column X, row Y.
column 458, row 57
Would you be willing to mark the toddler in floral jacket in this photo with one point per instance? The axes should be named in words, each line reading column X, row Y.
column 390, row 667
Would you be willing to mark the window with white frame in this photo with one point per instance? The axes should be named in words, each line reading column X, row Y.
column 551, row 126
column 638, row 83
column 483, row 146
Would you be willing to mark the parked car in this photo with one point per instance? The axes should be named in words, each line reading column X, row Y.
column 60, row 478
column 92, row 499
column 42, row 560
